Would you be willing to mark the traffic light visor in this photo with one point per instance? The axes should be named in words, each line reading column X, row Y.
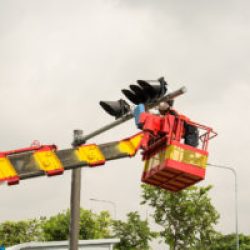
column 146, row 91
column 132, row 96
column 115, row 108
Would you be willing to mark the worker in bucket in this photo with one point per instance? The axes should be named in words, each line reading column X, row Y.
column 157, row 126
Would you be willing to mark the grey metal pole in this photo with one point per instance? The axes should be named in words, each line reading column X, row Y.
column 106, row 201
column 236, row 201
column 75, row 202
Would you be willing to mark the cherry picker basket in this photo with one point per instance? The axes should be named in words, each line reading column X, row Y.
column 172, row 164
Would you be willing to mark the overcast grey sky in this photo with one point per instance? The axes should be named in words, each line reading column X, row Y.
column 59, row 58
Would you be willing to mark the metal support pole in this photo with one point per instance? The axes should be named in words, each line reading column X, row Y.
column 237, row 243
column 75, row 202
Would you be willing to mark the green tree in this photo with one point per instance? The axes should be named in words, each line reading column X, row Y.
column 228, row 242
column 133, row 234
column 92, row 226
column 56, row 227
column 186, row 217
column 12, row 233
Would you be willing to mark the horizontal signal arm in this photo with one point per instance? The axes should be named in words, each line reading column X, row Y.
column 46, row 160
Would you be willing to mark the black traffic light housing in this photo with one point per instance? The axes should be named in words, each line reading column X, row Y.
column 116, row 108
column 146, row 91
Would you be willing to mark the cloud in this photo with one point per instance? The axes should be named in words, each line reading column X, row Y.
column 58, row 59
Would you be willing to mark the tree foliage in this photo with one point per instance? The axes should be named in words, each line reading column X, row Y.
column 55, row 228
column 133, row 234
column 228, row 242
column 92, row 226
column 12, row 233
column 186, row 217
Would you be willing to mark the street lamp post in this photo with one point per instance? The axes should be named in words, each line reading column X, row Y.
column 106, row 201
column 236, row 200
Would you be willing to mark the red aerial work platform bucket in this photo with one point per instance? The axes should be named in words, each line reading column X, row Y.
column 173, row 165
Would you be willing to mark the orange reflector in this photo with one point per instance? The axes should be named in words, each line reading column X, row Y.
column 90, row 154
column 48, row 161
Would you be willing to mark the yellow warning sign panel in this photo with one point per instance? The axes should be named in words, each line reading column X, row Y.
column 6, row 169
column 130, row 145
column 48, row 161
column 90, row 154
column 181, row 154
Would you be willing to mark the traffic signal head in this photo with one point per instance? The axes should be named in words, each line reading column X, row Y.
column 136, row 95
column 146, row 91
column 116, row 108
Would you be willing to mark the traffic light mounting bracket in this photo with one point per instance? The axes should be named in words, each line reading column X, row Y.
column 130, row 115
